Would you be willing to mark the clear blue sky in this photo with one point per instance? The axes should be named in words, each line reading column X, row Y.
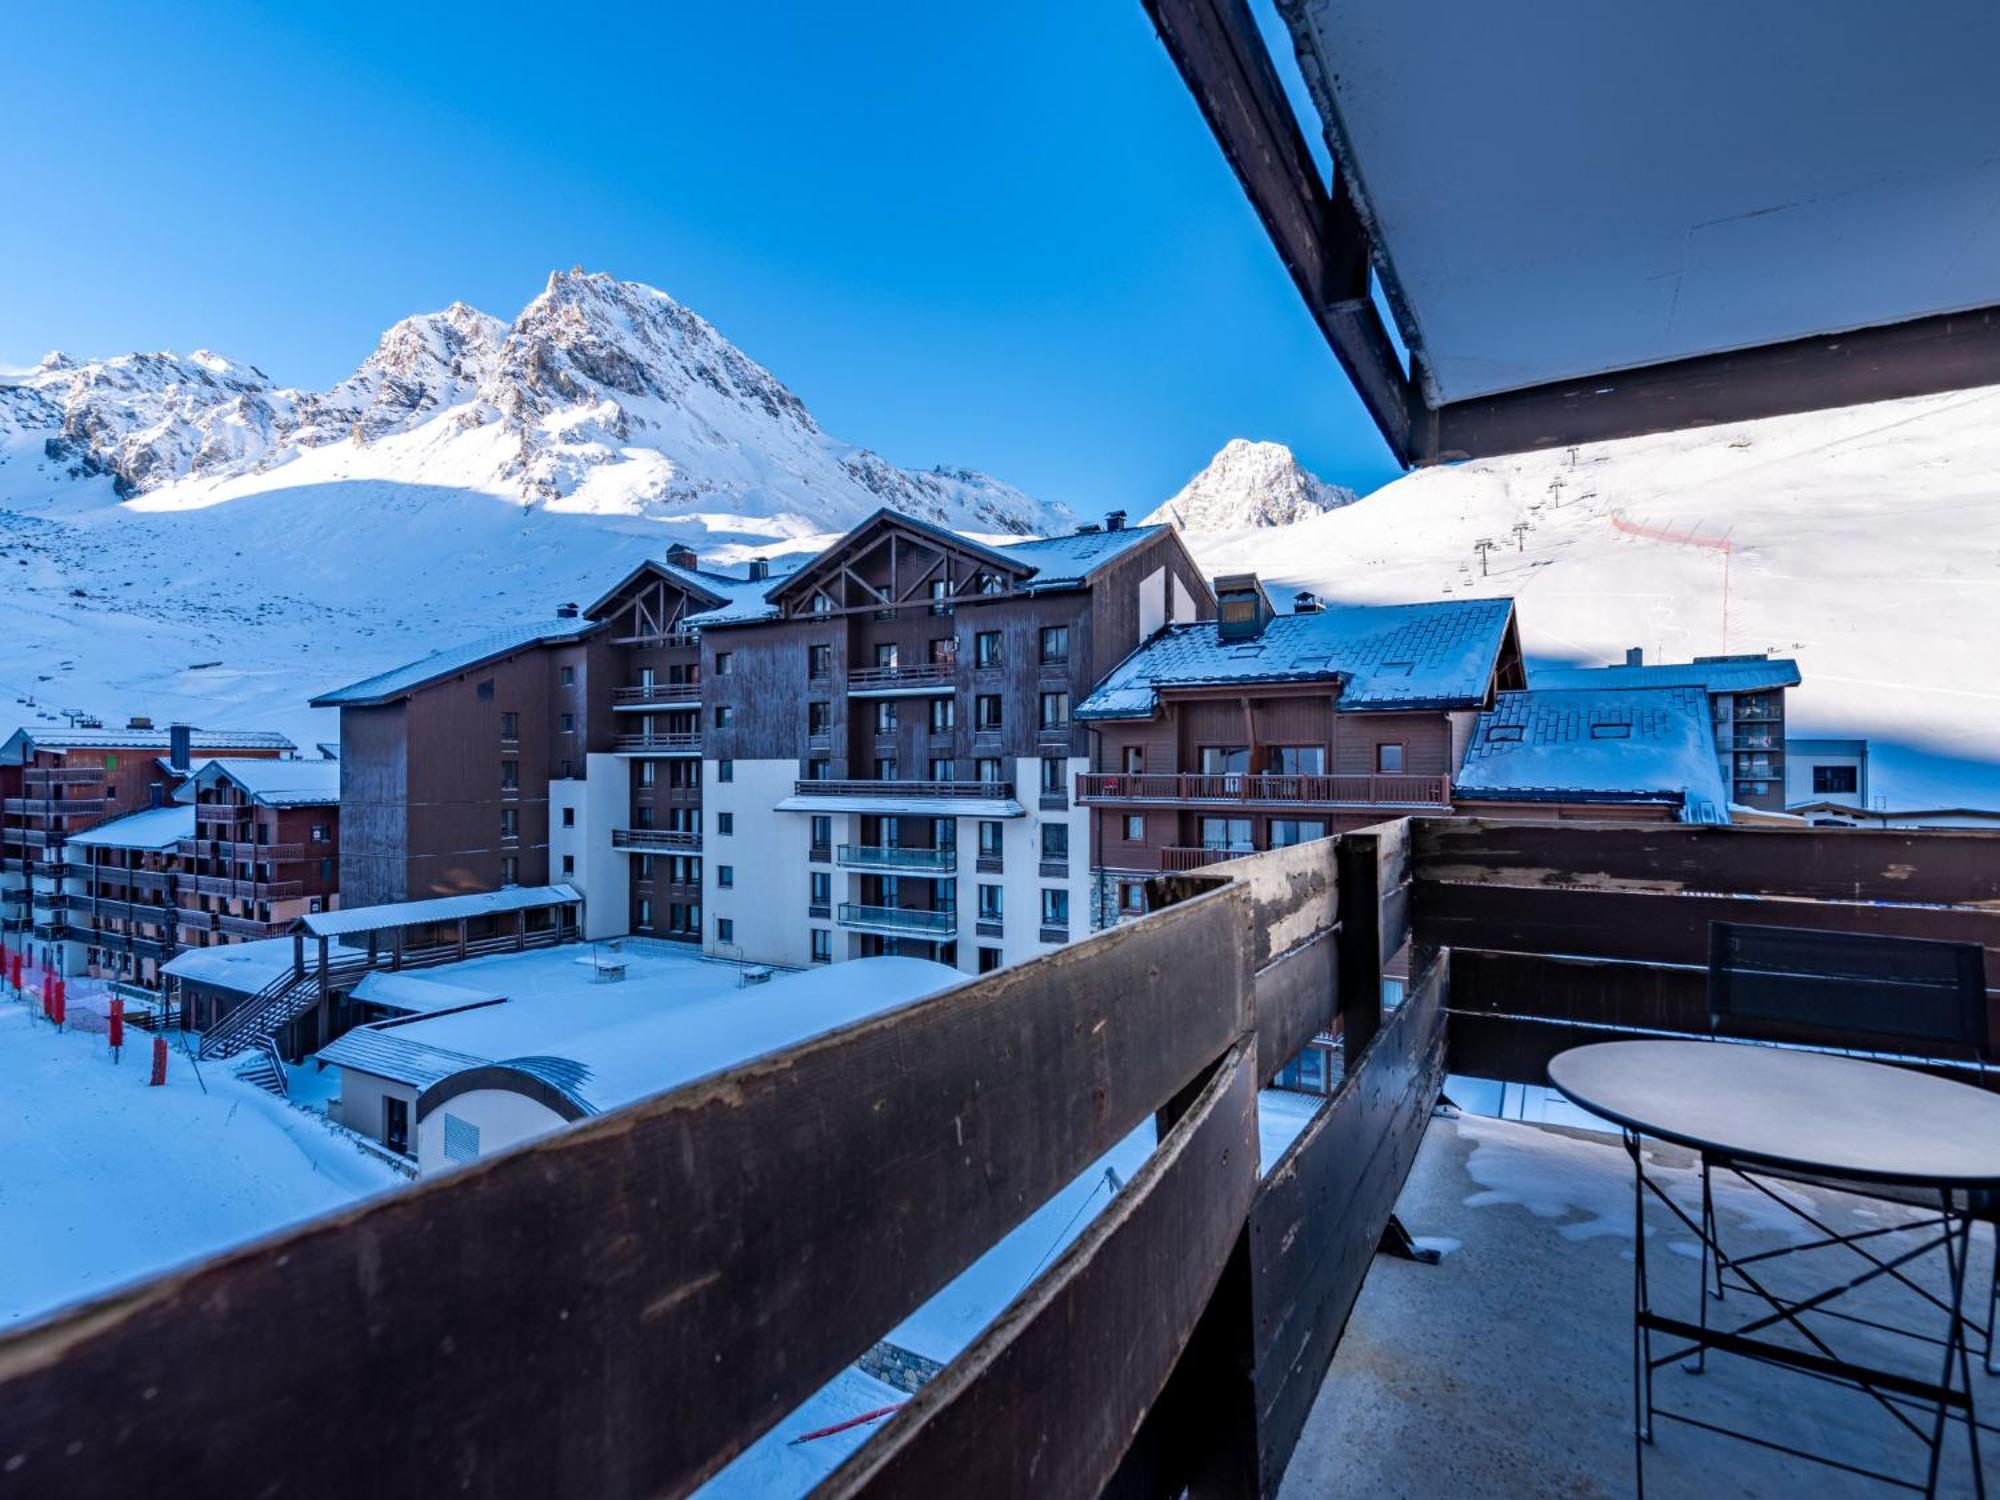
column 998, row 236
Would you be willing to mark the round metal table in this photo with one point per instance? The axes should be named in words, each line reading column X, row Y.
column 1848, row 1123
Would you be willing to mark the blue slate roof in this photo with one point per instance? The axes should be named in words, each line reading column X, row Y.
column 1604, row 745
column 1066, row 561
column 1757, row 675
column 1385, row 656
column 412, row 675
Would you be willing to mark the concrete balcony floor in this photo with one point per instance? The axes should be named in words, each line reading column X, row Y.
column 1507, row 1368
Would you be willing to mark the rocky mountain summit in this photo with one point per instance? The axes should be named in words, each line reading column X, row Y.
column 602, row 396
column 1251, row 484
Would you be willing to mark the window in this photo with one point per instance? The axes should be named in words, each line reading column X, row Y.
column 569, row 817
column 1055, row 645
column 885, row 654
column 822, row 946
column 484, row 692
column 944, row 715
column 320, row 832
column 1132, row 897
column 510, row 775
column 649, row 771
column 1054, row 779
column 645, row 870
column 944, row 651
column 819, row 661
column 943, row 768
column 1836, row 779
column 725, row 930
column 822, row 888
column 510, row 871
column 819, row 770
column 1055, row 710
column 1055, row 841
column 725, row 877
column 566, row 770
column 989, row 903
column 1389, row 758
column 989, row 960
column 940, row 596
column 725, row 663
column 987, row 770
column 822, row 604
column 1133, row 759
column 569, row 864
column 510, row 822
column 1135, row 828
column 989, row 838
column 885, row 716
column 1611, row 731
column 326, row 869
column 986, row 712
column 1288, row 831
column 725, row 823
column 885, row 768
column 568, row 722
column 567, row 677
column 1055, row 907
column 510, row 726
column 822, row 831
column 724, row 716
column 986, row 649
column 1503, row 734
column 1231, row 835
column 819, row 719
column 1298, row 760
column 725, row 770
column 1223, row 760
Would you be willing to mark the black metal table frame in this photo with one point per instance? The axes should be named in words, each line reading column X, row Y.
column 1949, row 1229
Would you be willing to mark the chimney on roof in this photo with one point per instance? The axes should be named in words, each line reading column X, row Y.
column 1305, row 602
column 138, row 721
column 760, row 569
column 1242, row 608
column 566, row 611
column 1635, row 656
column 681, row 555
column 1115, row 521
column 180, row 742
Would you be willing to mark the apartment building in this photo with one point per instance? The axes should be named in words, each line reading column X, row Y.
column 263, row 848
column 1261, row 729
column 1826, row 773
column 1746, row 701
column 125, row 907
column 445, row 763
column 888, row 740
column 57, row 783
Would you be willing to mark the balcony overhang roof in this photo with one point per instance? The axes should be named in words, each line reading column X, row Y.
column 1590, row 222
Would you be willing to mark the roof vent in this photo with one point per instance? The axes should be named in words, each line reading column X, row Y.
column 566, row 611
column 1635, row 656
column 139, row 721
column 760, row 569
column 681, row 555
column 1305, row 602
column 1087, row 528
column 1115, row 521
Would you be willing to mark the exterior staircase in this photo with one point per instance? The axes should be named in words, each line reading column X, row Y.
column 266, row 1069
column 279, row 1003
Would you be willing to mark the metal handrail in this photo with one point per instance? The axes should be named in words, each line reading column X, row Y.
column 896, row 857
column 898, row 918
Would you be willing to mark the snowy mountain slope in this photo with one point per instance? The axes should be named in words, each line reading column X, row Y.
column 1864, row 542
column 1250, row 484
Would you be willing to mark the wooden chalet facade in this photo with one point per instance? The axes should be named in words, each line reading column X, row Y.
column 264, row 849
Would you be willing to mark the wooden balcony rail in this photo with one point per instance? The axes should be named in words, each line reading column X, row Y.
column 899, row 919
column 929, row 674
column 930, row 790
column 275, row 854
column 250, row 927
column 62, row 775
column 660, row 744
column 247, row 890
column 676, row 840
column 222, row 812
column 1195, row 859
column 53, row 807
column 1242, row 789
column 658, row 692
column 881, row 857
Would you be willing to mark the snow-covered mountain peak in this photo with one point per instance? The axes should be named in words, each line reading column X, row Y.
column 1251, row 484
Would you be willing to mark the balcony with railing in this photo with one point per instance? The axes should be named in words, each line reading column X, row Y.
column 899, row 792
column 658, row 744
column 923, row 679
column 253, row 853
column 244, row 890
column 658, row 697
column 898, row 860
column 657, row 840
column 1244, row 790
column 50, row 776
column 901, row 920
column 1223, row 1323
column 250, row 927
column 53, row 807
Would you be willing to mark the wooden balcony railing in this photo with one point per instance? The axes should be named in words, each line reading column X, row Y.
column 34, row 776
column 647, row 840
column 1195, row 859
column 247, row 890
column 229, row 849
column 53, row 807
column 658, row 692
column 1370, row 791
column 1178, row 1343
column 924, row 675
column 659, row 744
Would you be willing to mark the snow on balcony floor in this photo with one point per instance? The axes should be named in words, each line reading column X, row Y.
column 1507, row 1368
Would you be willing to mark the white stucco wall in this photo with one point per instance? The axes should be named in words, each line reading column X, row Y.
column 600, row 799
column 767, row 853
column 502, row 1117
column 361, row 1096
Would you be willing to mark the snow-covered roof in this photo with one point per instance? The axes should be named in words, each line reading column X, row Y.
column 353, row 919
column 743, row 598
column 1609, row 745
column 1066, row 561
column 397, row 681
column 242, row 967
column 1384, row 656
column 155, row 828
column 1731, row 675
column 27, row 740
column 406, row 992
column 275, row 783
column 673, row 1018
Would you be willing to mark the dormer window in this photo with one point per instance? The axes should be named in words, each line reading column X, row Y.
column 1611, row 730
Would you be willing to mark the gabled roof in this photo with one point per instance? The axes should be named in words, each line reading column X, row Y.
column 350, row 919
column 1605, row 745
column 943, row 536
column 397, row 682
column 27, row 741
column 693, row 580
column 1385, row 656
column 1068, row 561
column 393, row 1054
column 1738, row 675
column 274, row 783
column 156, row 828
